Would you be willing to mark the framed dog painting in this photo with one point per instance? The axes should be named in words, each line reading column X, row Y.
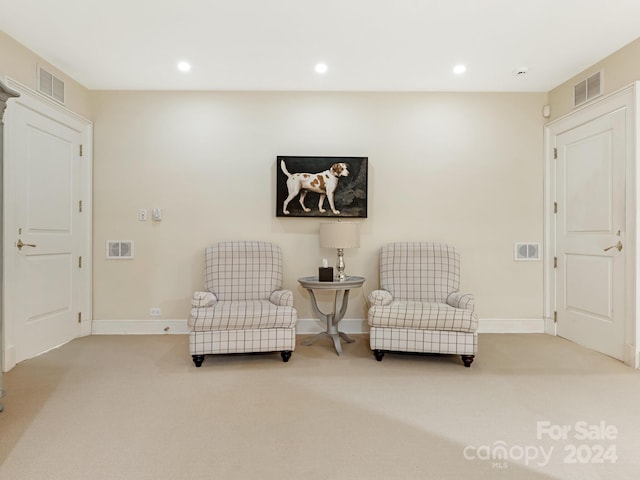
column 321, row 186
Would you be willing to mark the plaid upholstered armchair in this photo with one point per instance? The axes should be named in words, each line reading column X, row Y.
column 243, row 308
column 419, row 307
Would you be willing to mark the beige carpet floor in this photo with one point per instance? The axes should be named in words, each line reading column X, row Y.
column 135, row 407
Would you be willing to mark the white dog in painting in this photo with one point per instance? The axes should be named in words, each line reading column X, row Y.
column 324, row 183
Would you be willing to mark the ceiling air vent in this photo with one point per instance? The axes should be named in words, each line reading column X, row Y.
column 119, row 249
column 50, row 85
column 587, row 89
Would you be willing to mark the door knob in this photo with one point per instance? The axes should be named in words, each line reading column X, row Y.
column 617, row 245
column 19, row 244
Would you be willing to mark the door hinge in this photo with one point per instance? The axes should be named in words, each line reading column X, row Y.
column 555, row 262
column 81, row 150
column 555, row 153
column 555, row 317
column 80, row 206
column 80, row 262
column 79, row 317
column 555, row 207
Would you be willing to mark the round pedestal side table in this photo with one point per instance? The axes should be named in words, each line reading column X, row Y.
column 341, row 289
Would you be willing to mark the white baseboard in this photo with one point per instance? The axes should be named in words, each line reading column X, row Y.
column 485, row 325
column 9, row 360
column 511, row 325
column 347, row 325
column 631, row 356
column 550, row 327
column 303, row 327
column 139, row 327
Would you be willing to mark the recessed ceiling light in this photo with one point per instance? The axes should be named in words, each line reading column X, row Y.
column 459, row 69
column 184, row 66
column 321, row 68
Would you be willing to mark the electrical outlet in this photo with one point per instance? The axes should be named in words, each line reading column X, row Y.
column 155, row 312
column 142, row 214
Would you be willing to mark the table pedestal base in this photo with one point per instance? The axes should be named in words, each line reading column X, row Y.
column 334, row 336
column 332, row 320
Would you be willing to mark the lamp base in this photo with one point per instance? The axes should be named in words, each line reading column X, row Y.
column 340, row 275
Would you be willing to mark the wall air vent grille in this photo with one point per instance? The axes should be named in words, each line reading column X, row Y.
column 526, row 252
column 587, row 89
column 50, row 85
column 119, row 249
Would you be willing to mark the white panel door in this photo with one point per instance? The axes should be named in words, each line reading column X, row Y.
column 45, row 284
column 590, row 233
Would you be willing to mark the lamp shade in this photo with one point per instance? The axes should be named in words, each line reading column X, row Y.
column 340, row 235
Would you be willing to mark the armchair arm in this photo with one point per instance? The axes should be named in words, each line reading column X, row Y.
column 203, row 299
column 461, row 300
column 380, row 298
column 282, row 298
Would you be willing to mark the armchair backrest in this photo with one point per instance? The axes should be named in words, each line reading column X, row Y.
column 243, row 270
column 420, row 271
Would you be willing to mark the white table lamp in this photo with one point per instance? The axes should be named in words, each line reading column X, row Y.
column 340, row 235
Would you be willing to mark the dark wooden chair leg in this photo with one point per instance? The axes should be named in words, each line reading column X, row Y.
column 286, row 355
column 467, row 360
column 378, row 354
column 198, row 359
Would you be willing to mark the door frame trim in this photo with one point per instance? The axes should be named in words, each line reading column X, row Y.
column 626, row 97
column 36, row 101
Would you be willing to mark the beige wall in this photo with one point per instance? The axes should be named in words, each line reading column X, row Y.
column 450, row 167
column 21, row 64
column 619, row 70
column 459, row 168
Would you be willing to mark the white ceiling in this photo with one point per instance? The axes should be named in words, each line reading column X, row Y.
column 369, row 45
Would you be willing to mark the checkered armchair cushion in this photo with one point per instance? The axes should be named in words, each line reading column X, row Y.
column 426, row 272
column 419, row 301
column 244, row 307
column 243, row 270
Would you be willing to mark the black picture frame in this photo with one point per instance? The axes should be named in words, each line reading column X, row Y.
column 319, row 174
